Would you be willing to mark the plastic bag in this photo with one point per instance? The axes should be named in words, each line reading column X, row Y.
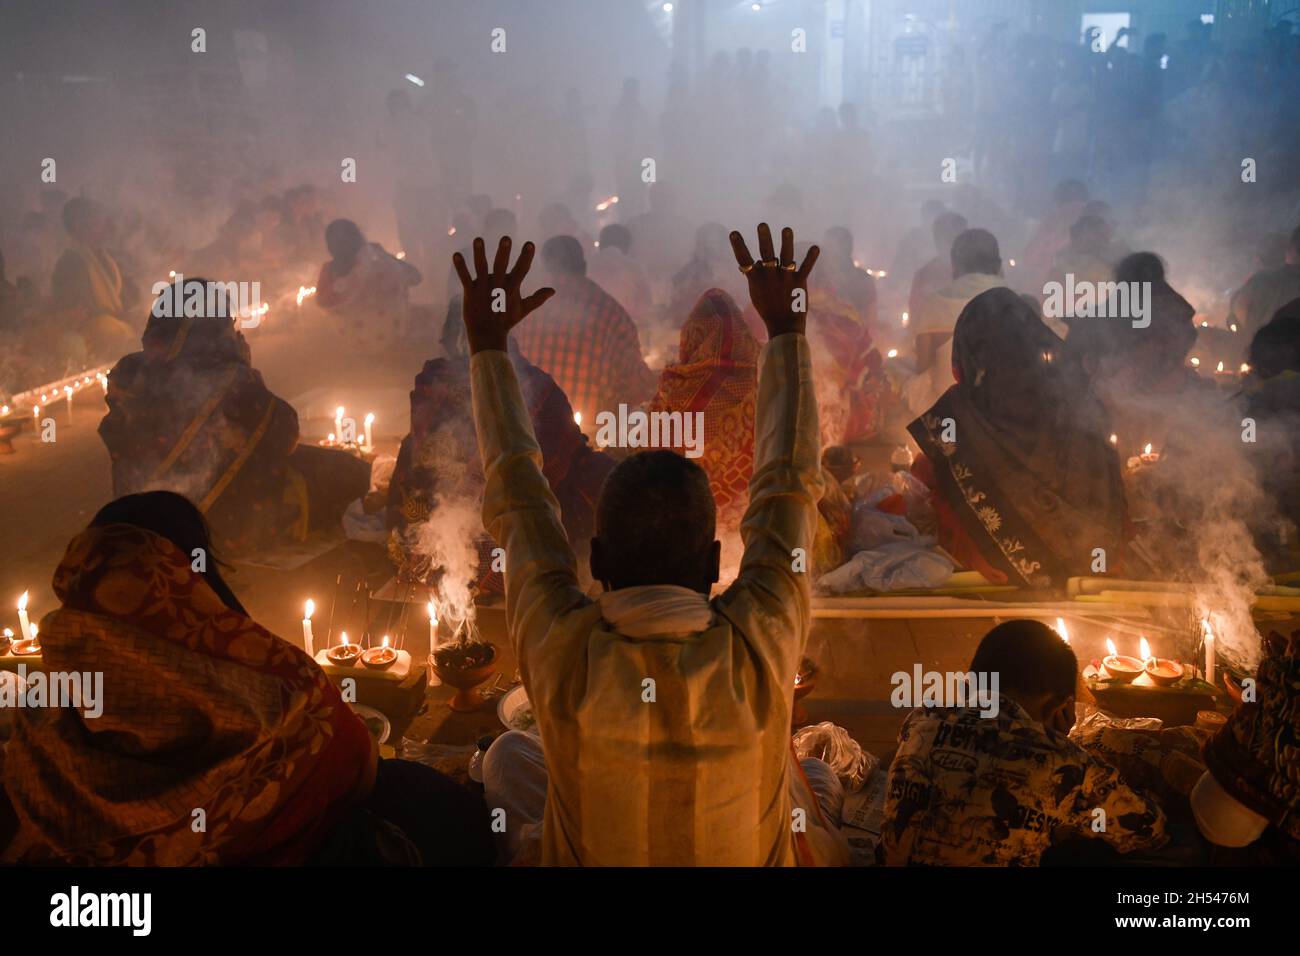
column 896, row 566
column 828, row 742
column 1100, row 719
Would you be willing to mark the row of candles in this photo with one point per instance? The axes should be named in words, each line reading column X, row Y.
column 336, row 437
column 346, row 654
column 29, row 644
column 54, row 393
column 1148, row 669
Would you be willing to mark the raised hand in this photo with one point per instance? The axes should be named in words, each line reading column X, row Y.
column 493, row 303
column 777, row 288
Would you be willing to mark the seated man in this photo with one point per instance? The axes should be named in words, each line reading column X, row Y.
column 87, row 286
column 189, row 413
column 365, row 285
column 584, row 339
column 966, row 789
column 976, row 268
column 665, row 716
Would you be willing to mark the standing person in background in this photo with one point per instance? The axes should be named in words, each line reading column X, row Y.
column 415, row 174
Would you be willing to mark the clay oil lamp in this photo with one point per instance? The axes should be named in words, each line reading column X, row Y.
column 344, row 654
column 380, row 657
column 1160, row 670
column 6, row 641
column 1120, row 667
column 31, row 647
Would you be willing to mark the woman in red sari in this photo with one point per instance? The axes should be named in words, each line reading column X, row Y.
column 717, row 374
column 204, row 710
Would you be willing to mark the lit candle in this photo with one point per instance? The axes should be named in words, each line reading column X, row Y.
column 24, row 623
column 1209, row 650
column 309, row 645
column 905, row 317
column 338, row 422
column 370, row 420
column 67, row 393
column 1148, row 456
column 577, row 419
column 1145, row 650
column 433, row 626
column 1060, row 629
column 892, row 353
column 1114, row 439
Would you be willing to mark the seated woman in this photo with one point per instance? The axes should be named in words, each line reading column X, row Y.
column 365, row 285
column 205, row 711
column 190, row 414
column 1025, row 484
column 438, row 466
column 716, row 373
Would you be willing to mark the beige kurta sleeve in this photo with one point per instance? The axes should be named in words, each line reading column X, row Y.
column 770, row 602
column 519, row 510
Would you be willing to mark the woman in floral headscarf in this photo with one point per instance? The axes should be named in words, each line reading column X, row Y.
column 204, row 710
column 717, row 373
column 1025, row 484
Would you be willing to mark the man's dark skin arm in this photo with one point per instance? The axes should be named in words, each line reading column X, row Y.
column 484, row 328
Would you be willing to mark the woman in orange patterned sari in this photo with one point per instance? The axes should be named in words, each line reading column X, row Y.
column 203, row 710
column 717, row 374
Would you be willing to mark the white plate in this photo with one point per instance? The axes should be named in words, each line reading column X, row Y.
column 369, row 713
column 511, row 707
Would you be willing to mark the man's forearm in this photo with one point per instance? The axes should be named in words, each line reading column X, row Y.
column 519, row 510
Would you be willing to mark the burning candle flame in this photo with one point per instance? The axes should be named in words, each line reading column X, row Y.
column 309, row 609
column 22, row 602
column 385, row 644
column 577, row 418
column 1245, row 367
column 1220, row 368
column 433, row 614
column 1147, row 449
column 1144, row 649
column 1110, row 648
column 343, row 636
column 892, row 353
column 1196, row 362
column 370, row 418
column 1060, row 629
column 1114, row 439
